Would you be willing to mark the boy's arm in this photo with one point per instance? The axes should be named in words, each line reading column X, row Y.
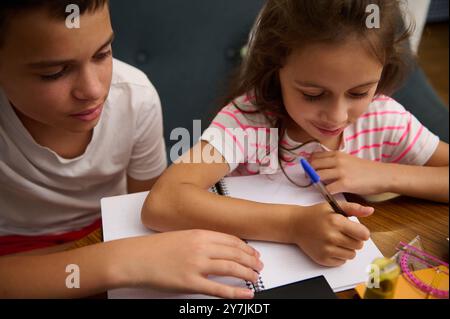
column 158, row 261
column 45, row 276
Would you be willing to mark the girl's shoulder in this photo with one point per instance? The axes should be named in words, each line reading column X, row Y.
column 384, row 104
column 384, row 110
column 244, row 112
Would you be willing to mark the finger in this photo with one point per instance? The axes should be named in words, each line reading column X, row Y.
column 230, row 269
column 335, row 187
column 233, row 241
column 355, row 230
column 348, row 242
column 332, row 262
column 343, row 253
column 328, row 175
column 355, row 209
column 318, row 155
column 236, row 255
column 212, row 288
column 323, row 163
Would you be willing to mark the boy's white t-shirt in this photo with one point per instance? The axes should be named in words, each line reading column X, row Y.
column 42, row 193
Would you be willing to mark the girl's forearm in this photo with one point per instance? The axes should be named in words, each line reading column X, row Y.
column 51, row 276
column 188, row 206
column 417, row 181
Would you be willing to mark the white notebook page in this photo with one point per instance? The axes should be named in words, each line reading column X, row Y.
column 282, row 263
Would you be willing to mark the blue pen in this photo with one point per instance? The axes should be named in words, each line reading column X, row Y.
column 315, row 179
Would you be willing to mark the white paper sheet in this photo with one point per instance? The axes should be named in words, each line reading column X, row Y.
column 282, row 263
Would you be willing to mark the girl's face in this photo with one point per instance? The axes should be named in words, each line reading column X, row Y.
column 327, row 87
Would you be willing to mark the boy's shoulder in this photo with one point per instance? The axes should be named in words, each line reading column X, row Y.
column 131, row 88
column 127, row 75
column 132, row 98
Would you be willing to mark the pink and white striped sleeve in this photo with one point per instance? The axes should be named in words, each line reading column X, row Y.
column 414, row 144
column 234, row 135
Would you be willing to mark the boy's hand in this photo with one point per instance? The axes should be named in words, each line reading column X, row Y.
column 347, row 173
column 181, row 261
column 330, row 239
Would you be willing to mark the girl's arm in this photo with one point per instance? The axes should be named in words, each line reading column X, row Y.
column 428, row 182
column 347, row 173
column 156, row 261
column 180, row 200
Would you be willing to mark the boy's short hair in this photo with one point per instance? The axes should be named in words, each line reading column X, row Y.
column 55, row 8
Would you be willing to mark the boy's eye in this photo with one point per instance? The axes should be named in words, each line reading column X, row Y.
column 359, row 95
column 103, row 55
column 55, row 76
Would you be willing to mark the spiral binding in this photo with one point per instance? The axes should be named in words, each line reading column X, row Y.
column 221, row 188
column 214, row 189
column 258, row 287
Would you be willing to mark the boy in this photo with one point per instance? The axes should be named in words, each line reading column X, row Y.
column 75, row 126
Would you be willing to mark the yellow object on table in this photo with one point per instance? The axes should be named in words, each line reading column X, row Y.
column 383, row 277
column 405, row 290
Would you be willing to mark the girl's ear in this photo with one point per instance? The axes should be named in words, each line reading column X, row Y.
column 283, row 61
column 287, row 54
column 278, row 74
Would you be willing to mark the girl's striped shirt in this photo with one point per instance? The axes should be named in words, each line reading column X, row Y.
column 386, row 132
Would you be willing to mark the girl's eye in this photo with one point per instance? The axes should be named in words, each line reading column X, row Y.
column 55, row 76
column 359, row 95
column 312, row 98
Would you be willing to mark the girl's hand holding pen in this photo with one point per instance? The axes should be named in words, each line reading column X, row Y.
column 330, row 239
column 347, row 173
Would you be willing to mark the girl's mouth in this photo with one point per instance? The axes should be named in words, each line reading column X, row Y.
column 328, row 131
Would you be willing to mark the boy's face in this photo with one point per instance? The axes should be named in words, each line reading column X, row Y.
column 55, row 76
column 327, row 87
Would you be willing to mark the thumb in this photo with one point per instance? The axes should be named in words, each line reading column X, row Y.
column 355, row 209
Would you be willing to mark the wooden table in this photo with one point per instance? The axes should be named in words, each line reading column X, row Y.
column 402, row 219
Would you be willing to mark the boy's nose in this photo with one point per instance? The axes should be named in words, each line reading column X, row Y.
column 88, row 86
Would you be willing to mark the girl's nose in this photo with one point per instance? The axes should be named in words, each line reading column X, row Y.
column 337, row 112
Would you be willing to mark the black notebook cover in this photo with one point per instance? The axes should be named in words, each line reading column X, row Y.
column 313, row 288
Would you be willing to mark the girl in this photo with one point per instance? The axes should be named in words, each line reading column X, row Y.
column 318, row 73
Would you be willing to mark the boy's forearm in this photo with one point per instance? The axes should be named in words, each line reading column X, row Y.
column 189, row 206
column 45, row 276
column 417, row 181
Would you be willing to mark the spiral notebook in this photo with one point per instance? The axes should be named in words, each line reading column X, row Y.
column 283, row 263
